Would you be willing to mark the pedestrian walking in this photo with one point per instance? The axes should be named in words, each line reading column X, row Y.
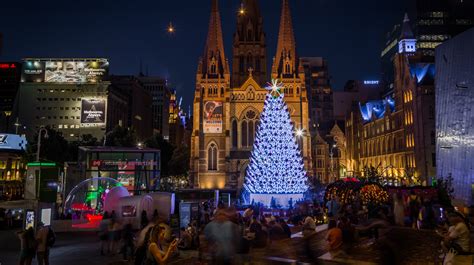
column 104, row 233
column 127, row 237
column 144, row 219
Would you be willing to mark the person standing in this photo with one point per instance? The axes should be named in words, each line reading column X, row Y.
column 334, row 236
column 127, row 237
column 333, row 207
column 28, row 246
column 222, row 235
column 414, row 208
column 43, row 246
column 9, row 217
column 398, row 209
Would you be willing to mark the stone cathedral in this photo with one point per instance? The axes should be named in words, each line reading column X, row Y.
column 227, row 105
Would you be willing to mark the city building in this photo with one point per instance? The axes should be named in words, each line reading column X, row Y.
column 12, row 166
column 10, row 73
column 393, row 135
column 319, row 91
column 454, row 114
column 139, row 104
column 179, row 122
column 66, row 94
column 434, row 21
column 160, row 95
column 226, row 117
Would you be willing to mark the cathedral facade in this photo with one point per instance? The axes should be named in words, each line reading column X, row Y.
column 227, row 105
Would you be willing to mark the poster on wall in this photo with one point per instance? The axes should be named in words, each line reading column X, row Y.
column 33, row 71
column 213, row 117
column 93, row 111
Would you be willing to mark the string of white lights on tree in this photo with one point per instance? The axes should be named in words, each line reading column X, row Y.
column 276, row 165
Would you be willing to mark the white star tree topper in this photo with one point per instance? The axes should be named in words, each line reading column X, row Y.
column 275, row 88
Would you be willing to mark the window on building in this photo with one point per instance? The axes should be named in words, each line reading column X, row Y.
column 212, row 157
column 244, row 133
column 249, row 123
column 241, row 64
column 257, row 64
column 320, row 163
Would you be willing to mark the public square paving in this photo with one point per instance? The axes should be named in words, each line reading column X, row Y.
column 402, row 245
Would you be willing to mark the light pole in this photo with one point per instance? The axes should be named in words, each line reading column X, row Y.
column 41, row 130
column 331, row 154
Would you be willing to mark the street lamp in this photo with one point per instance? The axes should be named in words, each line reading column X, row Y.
column 41, row 130
column 331, row 154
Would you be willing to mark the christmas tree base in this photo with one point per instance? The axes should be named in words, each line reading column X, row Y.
column 279, row 200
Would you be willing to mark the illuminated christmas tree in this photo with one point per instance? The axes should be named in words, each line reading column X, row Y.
column 276, row 171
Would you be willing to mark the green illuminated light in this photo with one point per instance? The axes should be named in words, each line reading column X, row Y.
column 41, row 164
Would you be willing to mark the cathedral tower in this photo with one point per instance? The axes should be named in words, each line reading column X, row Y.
column 249, row 48
column 208, row 138
column 288, row 69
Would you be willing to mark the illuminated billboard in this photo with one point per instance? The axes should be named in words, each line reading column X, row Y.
column 213, row 117
column 12, row 142
column 65, row 71
column 93, row 111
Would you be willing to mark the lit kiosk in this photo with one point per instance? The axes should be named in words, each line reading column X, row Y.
column 41, row 190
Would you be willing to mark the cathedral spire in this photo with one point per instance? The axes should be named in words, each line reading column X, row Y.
column 249, row 48
column 214, row 62
column 285, row 61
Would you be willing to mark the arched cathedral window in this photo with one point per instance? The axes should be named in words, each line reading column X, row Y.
column 212, row 157
column 248, row 127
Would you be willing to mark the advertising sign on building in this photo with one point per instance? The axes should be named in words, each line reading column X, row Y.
column 64, row 71
column 93, row 111
column 213, row 117
column 12, row 142
column 33, row 71
column 74, row 72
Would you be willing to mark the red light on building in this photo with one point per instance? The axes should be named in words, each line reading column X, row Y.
column 7, row 66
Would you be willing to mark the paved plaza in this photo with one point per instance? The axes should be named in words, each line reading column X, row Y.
column 400, row 245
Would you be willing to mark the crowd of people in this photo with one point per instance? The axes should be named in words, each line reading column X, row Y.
column 221, row 233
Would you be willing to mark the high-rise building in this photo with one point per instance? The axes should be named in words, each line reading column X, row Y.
column 226, row 117
column 454, row 114
column 249, row 48
column 160, row 94
column 139, row 104
column 439, row 20
column 433, row 22
column 10, row 73
column 67, row 94
column 319, row 90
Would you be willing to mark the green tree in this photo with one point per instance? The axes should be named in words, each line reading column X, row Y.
column 166, row 151
column 179, row 162
column 53, row 148
column 121, row 136
column 84, row 140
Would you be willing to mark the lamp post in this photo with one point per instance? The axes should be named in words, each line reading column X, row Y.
column 41, row 130
column 331, row 154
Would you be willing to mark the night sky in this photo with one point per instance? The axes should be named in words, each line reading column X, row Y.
column 348, row 33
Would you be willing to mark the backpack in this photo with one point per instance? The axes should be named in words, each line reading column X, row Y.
column 51, row 238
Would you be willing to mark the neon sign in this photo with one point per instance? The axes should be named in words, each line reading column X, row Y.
column 7, row 66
